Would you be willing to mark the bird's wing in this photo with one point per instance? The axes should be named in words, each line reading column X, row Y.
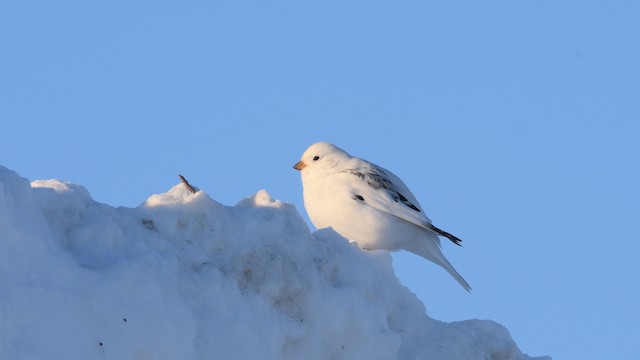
column 382, row 190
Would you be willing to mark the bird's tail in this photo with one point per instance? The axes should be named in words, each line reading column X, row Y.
column 430, row 250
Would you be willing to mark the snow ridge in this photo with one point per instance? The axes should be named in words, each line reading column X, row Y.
column 184, row 277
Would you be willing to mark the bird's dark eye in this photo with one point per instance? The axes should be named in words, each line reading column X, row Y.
column 315, row 158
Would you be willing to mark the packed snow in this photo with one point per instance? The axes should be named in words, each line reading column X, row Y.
column 184, row 277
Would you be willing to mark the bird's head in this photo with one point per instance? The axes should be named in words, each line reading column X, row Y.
column 321, row 157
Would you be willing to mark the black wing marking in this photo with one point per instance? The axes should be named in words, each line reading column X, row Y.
column 407, row 202
column 376, row 179
column 372, row 178
column 454, row 239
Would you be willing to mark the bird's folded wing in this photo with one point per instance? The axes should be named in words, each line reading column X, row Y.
column 396, row 199
column 385, row 192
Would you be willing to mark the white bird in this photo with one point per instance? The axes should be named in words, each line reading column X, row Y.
column 369, row 205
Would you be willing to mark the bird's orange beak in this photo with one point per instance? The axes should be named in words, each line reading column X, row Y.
column 299, row 165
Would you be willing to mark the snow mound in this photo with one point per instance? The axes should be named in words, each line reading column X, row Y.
column 185, row 277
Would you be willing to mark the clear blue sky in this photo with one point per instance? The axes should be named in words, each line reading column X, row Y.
column 515, row 123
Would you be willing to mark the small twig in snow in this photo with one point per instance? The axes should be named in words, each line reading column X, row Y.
column 186, row 183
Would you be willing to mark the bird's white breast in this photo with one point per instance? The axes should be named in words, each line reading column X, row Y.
column 330, row 202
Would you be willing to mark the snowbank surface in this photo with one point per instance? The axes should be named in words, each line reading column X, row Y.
column 184, row 277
